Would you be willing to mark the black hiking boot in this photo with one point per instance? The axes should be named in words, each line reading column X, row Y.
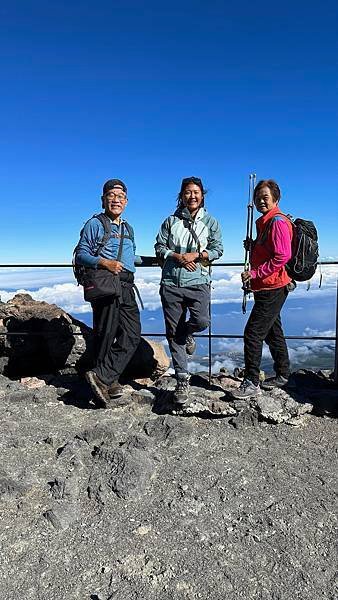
column 275, row 382
column 247, row 389
column 190, row 345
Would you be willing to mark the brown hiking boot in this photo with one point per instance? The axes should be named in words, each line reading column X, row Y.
column 100, row 389
column 115, row 390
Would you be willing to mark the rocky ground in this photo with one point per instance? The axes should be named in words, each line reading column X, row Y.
column 227, row 500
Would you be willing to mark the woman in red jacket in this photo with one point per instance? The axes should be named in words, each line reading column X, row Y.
column 269, row 281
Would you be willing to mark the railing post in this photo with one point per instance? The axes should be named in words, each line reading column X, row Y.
column 209, row 332
column 336, row 346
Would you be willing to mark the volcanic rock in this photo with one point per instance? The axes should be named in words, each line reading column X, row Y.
column 221, row 500
column 45, row 339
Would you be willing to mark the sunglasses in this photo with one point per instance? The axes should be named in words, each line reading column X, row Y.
column 195, row 180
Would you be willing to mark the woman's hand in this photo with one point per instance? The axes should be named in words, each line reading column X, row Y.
column 190, row 266
column 184, row 259
column 247, row 243
column 246, row 276
column 187, row 260
column 189, row 257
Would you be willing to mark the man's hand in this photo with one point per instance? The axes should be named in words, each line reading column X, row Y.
column 114, row 266
column 246, row 276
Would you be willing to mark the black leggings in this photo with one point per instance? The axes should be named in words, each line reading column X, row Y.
column 264, row 324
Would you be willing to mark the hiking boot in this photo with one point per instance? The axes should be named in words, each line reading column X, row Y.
column 247, row 389
column 115, row 390
column 272, row 382
column 190, row 345
column 181, row 393
column 100, row 389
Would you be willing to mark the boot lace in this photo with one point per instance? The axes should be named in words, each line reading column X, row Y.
column 182, row 385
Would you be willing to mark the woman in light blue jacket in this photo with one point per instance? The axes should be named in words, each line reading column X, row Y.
column 186, row 242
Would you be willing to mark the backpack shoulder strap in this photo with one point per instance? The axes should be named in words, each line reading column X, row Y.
column 107, row 233
column 130, row 231
column 268, row 226
column 122, row 236
column 105, row 221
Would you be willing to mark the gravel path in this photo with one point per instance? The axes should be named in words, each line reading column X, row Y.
column 127, row 504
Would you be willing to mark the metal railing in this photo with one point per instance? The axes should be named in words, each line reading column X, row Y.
column 152, row 262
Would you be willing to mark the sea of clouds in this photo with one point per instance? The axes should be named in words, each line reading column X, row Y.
column 58, row 286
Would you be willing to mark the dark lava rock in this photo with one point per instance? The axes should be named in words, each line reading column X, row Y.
column 48, row 342
column 126, row 470
column 53, row 341
column 245, row 418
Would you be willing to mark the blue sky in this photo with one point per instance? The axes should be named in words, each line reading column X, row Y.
column 151, row 92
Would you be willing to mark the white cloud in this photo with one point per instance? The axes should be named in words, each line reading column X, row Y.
column 67, row 295
column 57, row 286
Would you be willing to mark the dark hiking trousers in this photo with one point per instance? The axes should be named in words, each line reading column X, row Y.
column 175, row 302
column 117, row 331
column 264, row 324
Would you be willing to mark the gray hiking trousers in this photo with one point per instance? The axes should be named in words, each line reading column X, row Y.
column 175, row 303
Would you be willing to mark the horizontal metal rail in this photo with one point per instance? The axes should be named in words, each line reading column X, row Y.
column 152, row 263
column 197, row 335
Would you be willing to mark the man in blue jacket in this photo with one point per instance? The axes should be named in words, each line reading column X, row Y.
column 116, row 321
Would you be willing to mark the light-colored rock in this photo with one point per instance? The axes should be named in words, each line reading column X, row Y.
column 32, row 382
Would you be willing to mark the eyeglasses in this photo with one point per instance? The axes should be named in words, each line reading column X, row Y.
column 114, row 196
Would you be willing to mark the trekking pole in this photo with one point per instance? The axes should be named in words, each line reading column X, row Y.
column 336, row 346
column 248, row 240
column 209, row 333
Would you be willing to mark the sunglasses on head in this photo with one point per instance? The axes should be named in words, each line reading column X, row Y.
column 187, row 180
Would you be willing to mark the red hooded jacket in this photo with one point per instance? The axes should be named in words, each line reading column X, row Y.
column 271, row 252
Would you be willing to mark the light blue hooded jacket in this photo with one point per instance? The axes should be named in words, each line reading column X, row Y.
column 175, row 236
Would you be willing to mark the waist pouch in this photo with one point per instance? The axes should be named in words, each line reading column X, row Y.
column 98, row 283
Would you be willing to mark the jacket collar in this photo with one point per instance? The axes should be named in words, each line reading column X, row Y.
column 269, row 215
column 183, row 213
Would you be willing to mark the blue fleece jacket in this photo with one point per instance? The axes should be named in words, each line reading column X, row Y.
column 92, row 234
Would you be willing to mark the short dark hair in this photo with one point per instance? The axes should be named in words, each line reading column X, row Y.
column 273, row 187
column 185, row 182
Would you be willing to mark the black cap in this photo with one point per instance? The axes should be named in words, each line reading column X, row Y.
column 112, row 183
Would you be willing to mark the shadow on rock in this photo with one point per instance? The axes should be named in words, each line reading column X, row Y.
column 49, row 340
column 317, row 388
